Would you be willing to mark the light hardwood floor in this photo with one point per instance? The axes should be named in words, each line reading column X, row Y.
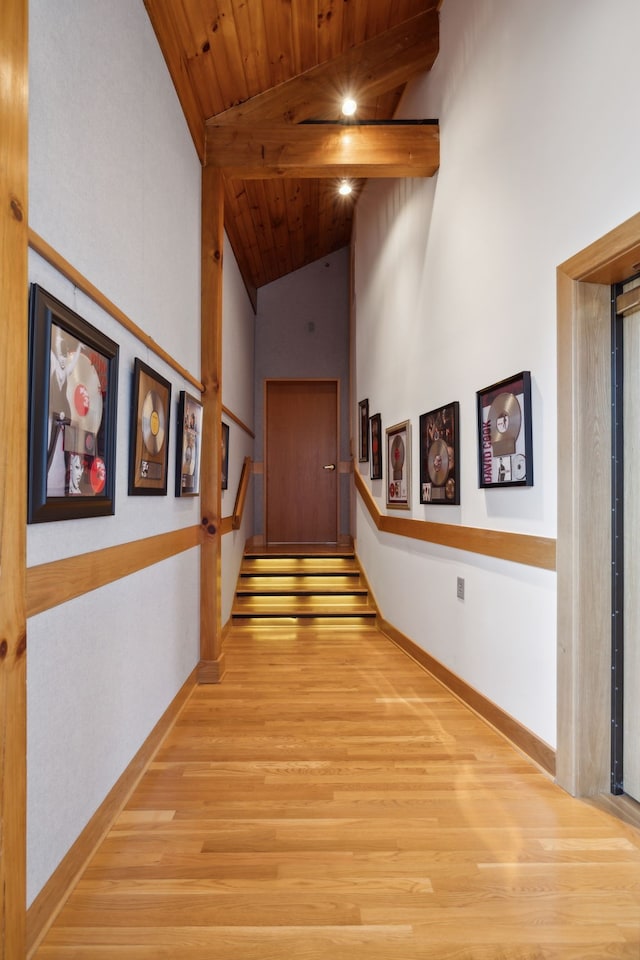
column 331, row 801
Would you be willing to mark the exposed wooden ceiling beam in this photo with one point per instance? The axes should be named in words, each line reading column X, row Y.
column 366, row 71
column 266, row 151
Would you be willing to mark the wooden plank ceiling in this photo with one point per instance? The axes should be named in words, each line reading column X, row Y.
column 252, row 77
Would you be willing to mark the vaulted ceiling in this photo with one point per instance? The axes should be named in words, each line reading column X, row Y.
column 261, row 84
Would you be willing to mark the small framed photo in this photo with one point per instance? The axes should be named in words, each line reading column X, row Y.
column 224, row 461
column 149, row 437
column 363, row 431
column 189, row 446
column 505, row 457
column 376, row 446
column 399, row 466
column 73, row 396
column 439, row 455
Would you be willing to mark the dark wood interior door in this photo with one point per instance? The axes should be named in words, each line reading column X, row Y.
column 302, row 461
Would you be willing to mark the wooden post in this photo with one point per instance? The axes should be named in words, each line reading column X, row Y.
column 13, row 458
column 211, row 656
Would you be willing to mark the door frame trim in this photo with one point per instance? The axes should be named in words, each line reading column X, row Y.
column 265, row 485
column 583, row 758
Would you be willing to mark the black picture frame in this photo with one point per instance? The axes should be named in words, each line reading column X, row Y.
column 73, row 402
column 505, row 451
column 188, row 445
column 375, row 422
column 399, row 466
column 440, row 455
column 149, row 432
column 224, row 457
column 363, row 431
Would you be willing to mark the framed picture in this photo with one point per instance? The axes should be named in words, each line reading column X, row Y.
column 73, row 395
column 149, row 437
column 505, row 457
column 399, row 466
column 363, row 431
column 376, row 446
column 439, row 455
column 189, row 446
column 224, row 464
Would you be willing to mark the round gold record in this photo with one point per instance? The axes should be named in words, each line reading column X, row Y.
column 189, row 458
column 153, row 423
column 84, row 395
column 438, row 462
column 505, row 417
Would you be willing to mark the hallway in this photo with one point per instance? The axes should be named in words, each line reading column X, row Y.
column 331, row 800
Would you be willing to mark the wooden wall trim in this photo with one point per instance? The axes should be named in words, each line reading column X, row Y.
column 14, row 97
column 58, row 888
column 226, row 525
column 515, row 547
column 50, row 584
column 63, row 266
column 239, row 422
column 521, row 737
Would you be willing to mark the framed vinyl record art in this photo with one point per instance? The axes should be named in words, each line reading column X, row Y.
column 189, row 446
column 149, row 437
column 505, row 457
column 439, row 456
column 224, row 459
column 399, row 466
column 363, row 431
column 73, row 393
column 376, row 446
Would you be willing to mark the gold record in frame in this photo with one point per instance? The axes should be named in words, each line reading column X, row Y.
column 188, row 446
column 153, row 423
column 505, row 449
column 439, row 455
column 150, row 412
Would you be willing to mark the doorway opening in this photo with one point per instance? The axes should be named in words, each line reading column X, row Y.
column 625, row 556
column 584, row 546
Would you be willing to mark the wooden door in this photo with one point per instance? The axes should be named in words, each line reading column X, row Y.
column 301, row 461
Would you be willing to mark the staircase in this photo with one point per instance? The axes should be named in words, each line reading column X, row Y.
column 304, row 584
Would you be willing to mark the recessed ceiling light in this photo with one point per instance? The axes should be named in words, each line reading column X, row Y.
column 349, row 106
column 345, row 188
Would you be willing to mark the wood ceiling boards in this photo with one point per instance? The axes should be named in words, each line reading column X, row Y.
column 249, row 73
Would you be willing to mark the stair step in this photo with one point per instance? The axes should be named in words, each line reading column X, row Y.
column 298, row 566
column 299, row 585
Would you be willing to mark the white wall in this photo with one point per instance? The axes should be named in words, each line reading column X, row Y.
column 115, row 188
column 455, row 289
column 238, row 331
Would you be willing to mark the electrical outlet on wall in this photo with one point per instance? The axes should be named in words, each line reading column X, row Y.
column 460, row 588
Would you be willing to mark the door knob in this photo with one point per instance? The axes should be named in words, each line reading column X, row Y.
column 329, row 466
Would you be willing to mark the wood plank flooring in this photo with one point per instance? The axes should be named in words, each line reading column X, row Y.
column 329, row 800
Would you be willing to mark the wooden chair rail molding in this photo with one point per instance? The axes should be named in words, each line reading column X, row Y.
column 237, row 420
column 63, row 266
column 515, row 547
column 50, row 584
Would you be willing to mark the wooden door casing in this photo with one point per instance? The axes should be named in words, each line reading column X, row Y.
column 301, row 460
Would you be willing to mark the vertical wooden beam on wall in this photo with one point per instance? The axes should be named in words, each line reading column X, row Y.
column 211, row 656
column 13, row 458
